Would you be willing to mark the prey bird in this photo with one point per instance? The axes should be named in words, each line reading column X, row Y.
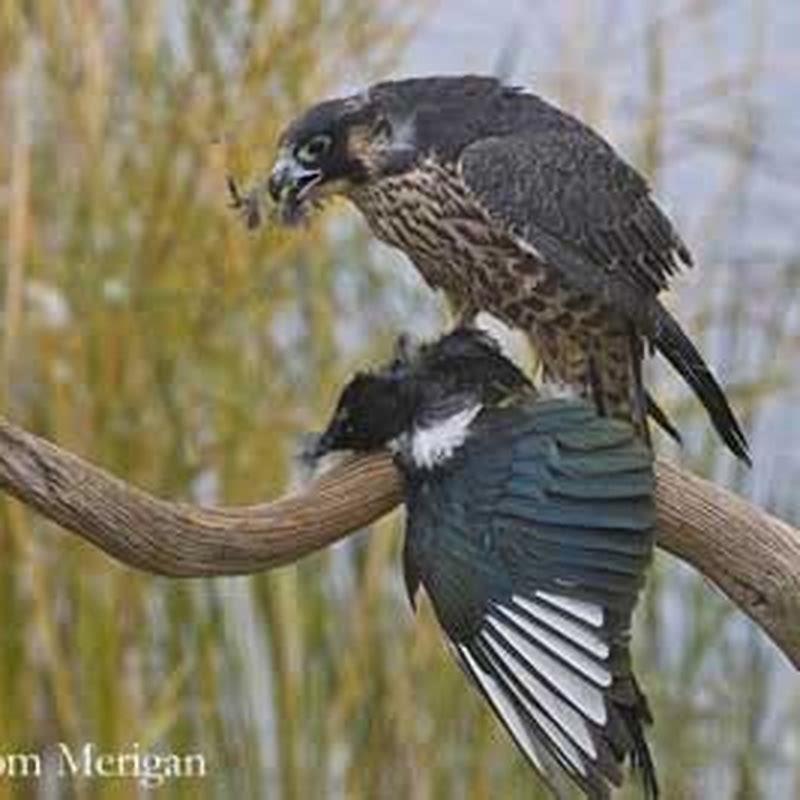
column 530, row 525
column 511, row 206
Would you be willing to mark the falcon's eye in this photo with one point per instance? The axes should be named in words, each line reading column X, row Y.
column 382, row 129
column 314, row 149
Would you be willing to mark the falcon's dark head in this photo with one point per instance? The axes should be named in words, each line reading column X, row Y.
column 339, row 145
column 333, row 147
column 421, row 388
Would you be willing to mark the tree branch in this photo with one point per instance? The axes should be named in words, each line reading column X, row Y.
column 751, row 556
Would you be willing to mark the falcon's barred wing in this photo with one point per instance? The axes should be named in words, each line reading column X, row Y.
column 532, row 544
column 566, row 194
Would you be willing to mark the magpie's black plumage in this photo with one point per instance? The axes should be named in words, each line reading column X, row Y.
column 512, row 206
column 530, row 524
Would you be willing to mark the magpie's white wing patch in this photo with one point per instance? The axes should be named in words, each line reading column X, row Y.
column 539, row 640
column 568, row 624
column 590, row 613
column 545, row 673
column 503, row 705
column 544, row 705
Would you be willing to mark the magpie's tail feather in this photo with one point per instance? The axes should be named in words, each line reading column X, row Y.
column 678, row 349
column 636, row 716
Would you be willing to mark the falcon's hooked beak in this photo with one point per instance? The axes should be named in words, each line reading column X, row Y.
column 291, row 186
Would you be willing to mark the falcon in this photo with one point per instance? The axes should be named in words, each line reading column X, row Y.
column 510, row 206
column 530, row 525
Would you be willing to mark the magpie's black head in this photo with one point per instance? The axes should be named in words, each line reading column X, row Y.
column 373, row 409
column 466, row 361
column 462, row 369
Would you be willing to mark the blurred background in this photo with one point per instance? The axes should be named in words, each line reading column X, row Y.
column 142, row 327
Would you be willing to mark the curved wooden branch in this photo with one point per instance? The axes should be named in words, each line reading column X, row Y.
column 751, row 556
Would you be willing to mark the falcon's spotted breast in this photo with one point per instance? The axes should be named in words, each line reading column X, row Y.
column 514, row 207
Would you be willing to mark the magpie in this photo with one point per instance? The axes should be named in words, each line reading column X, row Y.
column 530, row 523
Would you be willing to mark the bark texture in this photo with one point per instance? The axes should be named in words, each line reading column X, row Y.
column 751, row 556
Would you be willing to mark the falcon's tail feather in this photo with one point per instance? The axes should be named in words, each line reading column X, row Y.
column 675, row 345
column 644, row 405
column 659, row 416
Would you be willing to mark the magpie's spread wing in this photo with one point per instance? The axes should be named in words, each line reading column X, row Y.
column 532, row 543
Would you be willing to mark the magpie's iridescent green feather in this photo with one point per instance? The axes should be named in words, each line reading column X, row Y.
column 534, row 538
column 530, row 526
